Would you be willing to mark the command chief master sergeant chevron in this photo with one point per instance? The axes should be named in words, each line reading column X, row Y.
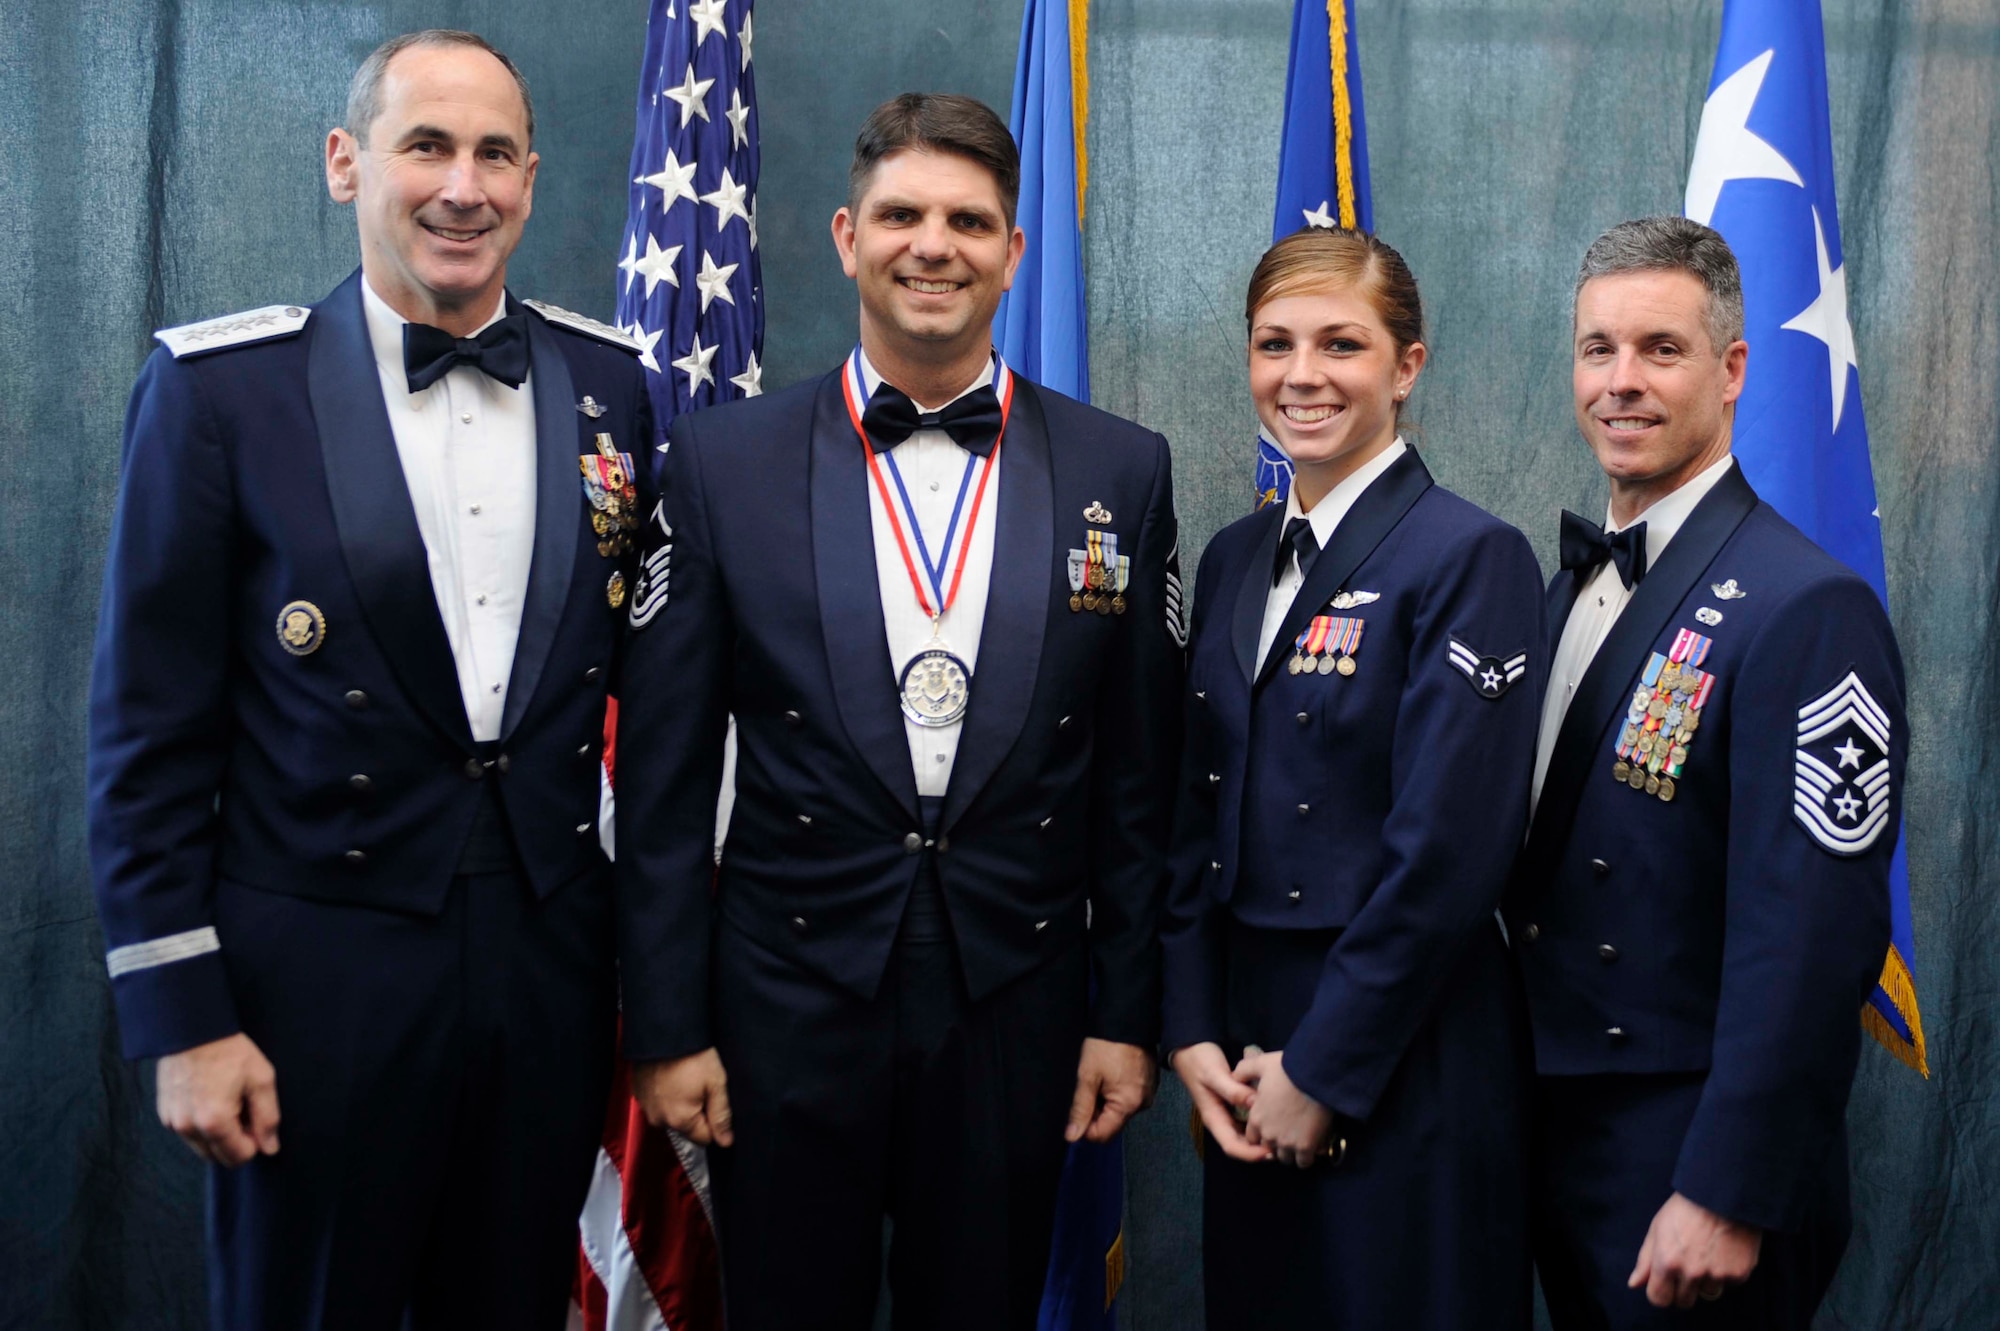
column 360, row 614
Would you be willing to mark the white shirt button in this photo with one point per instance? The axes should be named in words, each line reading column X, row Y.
column 934, row 486
column 481, row 600
column 496, row 688
column 940, row 757
column 466, row 417
column 475, row 510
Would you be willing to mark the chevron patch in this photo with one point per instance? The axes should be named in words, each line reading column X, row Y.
column 1841, row 781
column 1489, row 675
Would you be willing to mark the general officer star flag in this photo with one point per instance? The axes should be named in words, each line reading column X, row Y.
column 1043, row 331
column 1322, row 161
column 1762, row 175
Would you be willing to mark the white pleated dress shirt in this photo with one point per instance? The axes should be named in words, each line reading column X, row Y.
column 933, row 466
column 1325, row 518
column 1599, row 604
column 467, row 445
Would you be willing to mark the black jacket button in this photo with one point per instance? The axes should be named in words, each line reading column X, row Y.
column 473, row 769
column 356, row 699
column 912, row 843
column 590, row 675
column 584, row 752
column 356, row 858
column 794, row 720
column 360, row 782
column 1304, row 719
column 1600, row 868
column 1531, row 933
column 798, row 924
column 1606, row 952
column 1063, row 724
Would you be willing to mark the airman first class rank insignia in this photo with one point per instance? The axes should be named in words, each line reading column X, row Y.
column 1099, row 575
column 1489, row 675
column 1843, row 813
column 608, row 485
column 1327, row 645
column 1665, row 713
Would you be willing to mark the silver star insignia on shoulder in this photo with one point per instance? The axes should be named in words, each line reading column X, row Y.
column 1727, row 591
column 1097, row 513
column 1841, row 788
column 1489, row 675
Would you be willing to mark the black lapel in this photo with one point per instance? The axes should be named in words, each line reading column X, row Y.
column 558, row 515
column 1600, row 696
column 1374, row 515
column 1563, row 591
column 850, row 601
column 1017, row 604
column 1247, row 615
column 379, row 538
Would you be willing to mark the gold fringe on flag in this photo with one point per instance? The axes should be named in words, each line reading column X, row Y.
column 1343, row 112
column 1079, row 93
column 1902, row 991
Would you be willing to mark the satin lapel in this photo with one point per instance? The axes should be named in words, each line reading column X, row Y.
column 850, row 600
column 1374, row 515
column 558, row 516
column 1563, row 591
column 1247, row 616
column 379, row 538
column 1017, row 604
column 1596, row 706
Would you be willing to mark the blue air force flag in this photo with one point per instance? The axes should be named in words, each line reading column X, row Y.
column 1322, row 160
column 689, row 285
column 1762, row 175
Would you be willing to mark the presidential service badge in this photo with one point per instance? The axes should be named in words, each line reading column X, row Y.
column 301, row 628
column 1489, row 675
column 1841, row 781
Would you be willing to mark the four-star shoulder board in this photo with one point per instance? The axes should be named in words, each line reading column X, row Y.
column 267, row 324
column 583, row 323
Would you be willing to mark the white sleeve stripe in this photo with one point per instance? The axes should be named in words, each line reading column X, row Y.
column 161, row 951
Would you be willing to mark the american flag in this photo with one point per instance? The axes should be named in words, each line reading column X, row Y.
column 690, row 290
column 689, row 285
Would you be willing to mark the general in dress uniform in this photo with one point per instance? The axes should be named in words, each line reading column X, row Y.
column 362, row 604
column 941, row 604
column 1361, row 706
column 1702, row 905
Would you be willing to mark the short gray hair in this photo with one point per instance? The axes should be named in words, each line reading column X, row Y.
column 364, row 95
column 1672, row 244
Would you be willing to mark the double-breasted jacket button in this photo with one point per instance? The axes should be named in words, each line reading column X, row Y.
column 1304, row 718
column 912, row 843
column 1063, row 724
column 798, row 924
column 503, row 762
column 1606, row 952
column 805, row 820
column 356, row 699
column 1616, row 1032
column 360, row 783
column 1215, row 778
column 1041, row 925
column 1600, row 868
column 1215, row 866
column 1304, row 809
column 794, row 720
column 1046, row 821
column 355, row 858
column 584, row 752
column 1531, row 933
column 473, row 769
column 1201, row 695
column 582, row 829
column 1294, row 896
column 590, row 675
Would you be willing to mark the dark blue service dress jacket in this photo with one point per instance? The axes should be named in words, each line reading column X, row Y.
column 758, row 598
column 1386, row 804
column 324, row 753
column 1735, row 929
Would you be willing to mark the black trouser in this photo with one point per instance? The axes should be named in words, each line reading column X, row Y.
column 1605, row 1149
column 441, row 1085
column 944, row 1115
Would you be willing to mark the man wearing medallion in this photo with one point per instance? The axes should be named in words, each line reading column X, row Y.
column 943, row 606
column 1702, row 904
column 359, row 619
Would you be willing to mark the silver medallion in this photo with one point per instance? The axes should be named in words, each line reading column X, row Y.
column 936, row 687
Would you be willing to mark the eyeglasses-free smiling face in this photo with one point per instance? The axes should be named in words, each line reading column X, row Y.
column 931, row 251
column 1654, row 395
column 441, row 187
column 1325, row 375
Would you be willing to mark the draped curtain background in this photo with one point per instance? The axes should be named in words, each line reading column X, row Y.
column 159, row 162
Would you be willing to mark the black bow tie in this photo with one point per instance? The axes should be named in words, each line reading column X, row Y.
column 973, row 421
column 1585, row 546
column 501, row 350
column 1298, row 539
